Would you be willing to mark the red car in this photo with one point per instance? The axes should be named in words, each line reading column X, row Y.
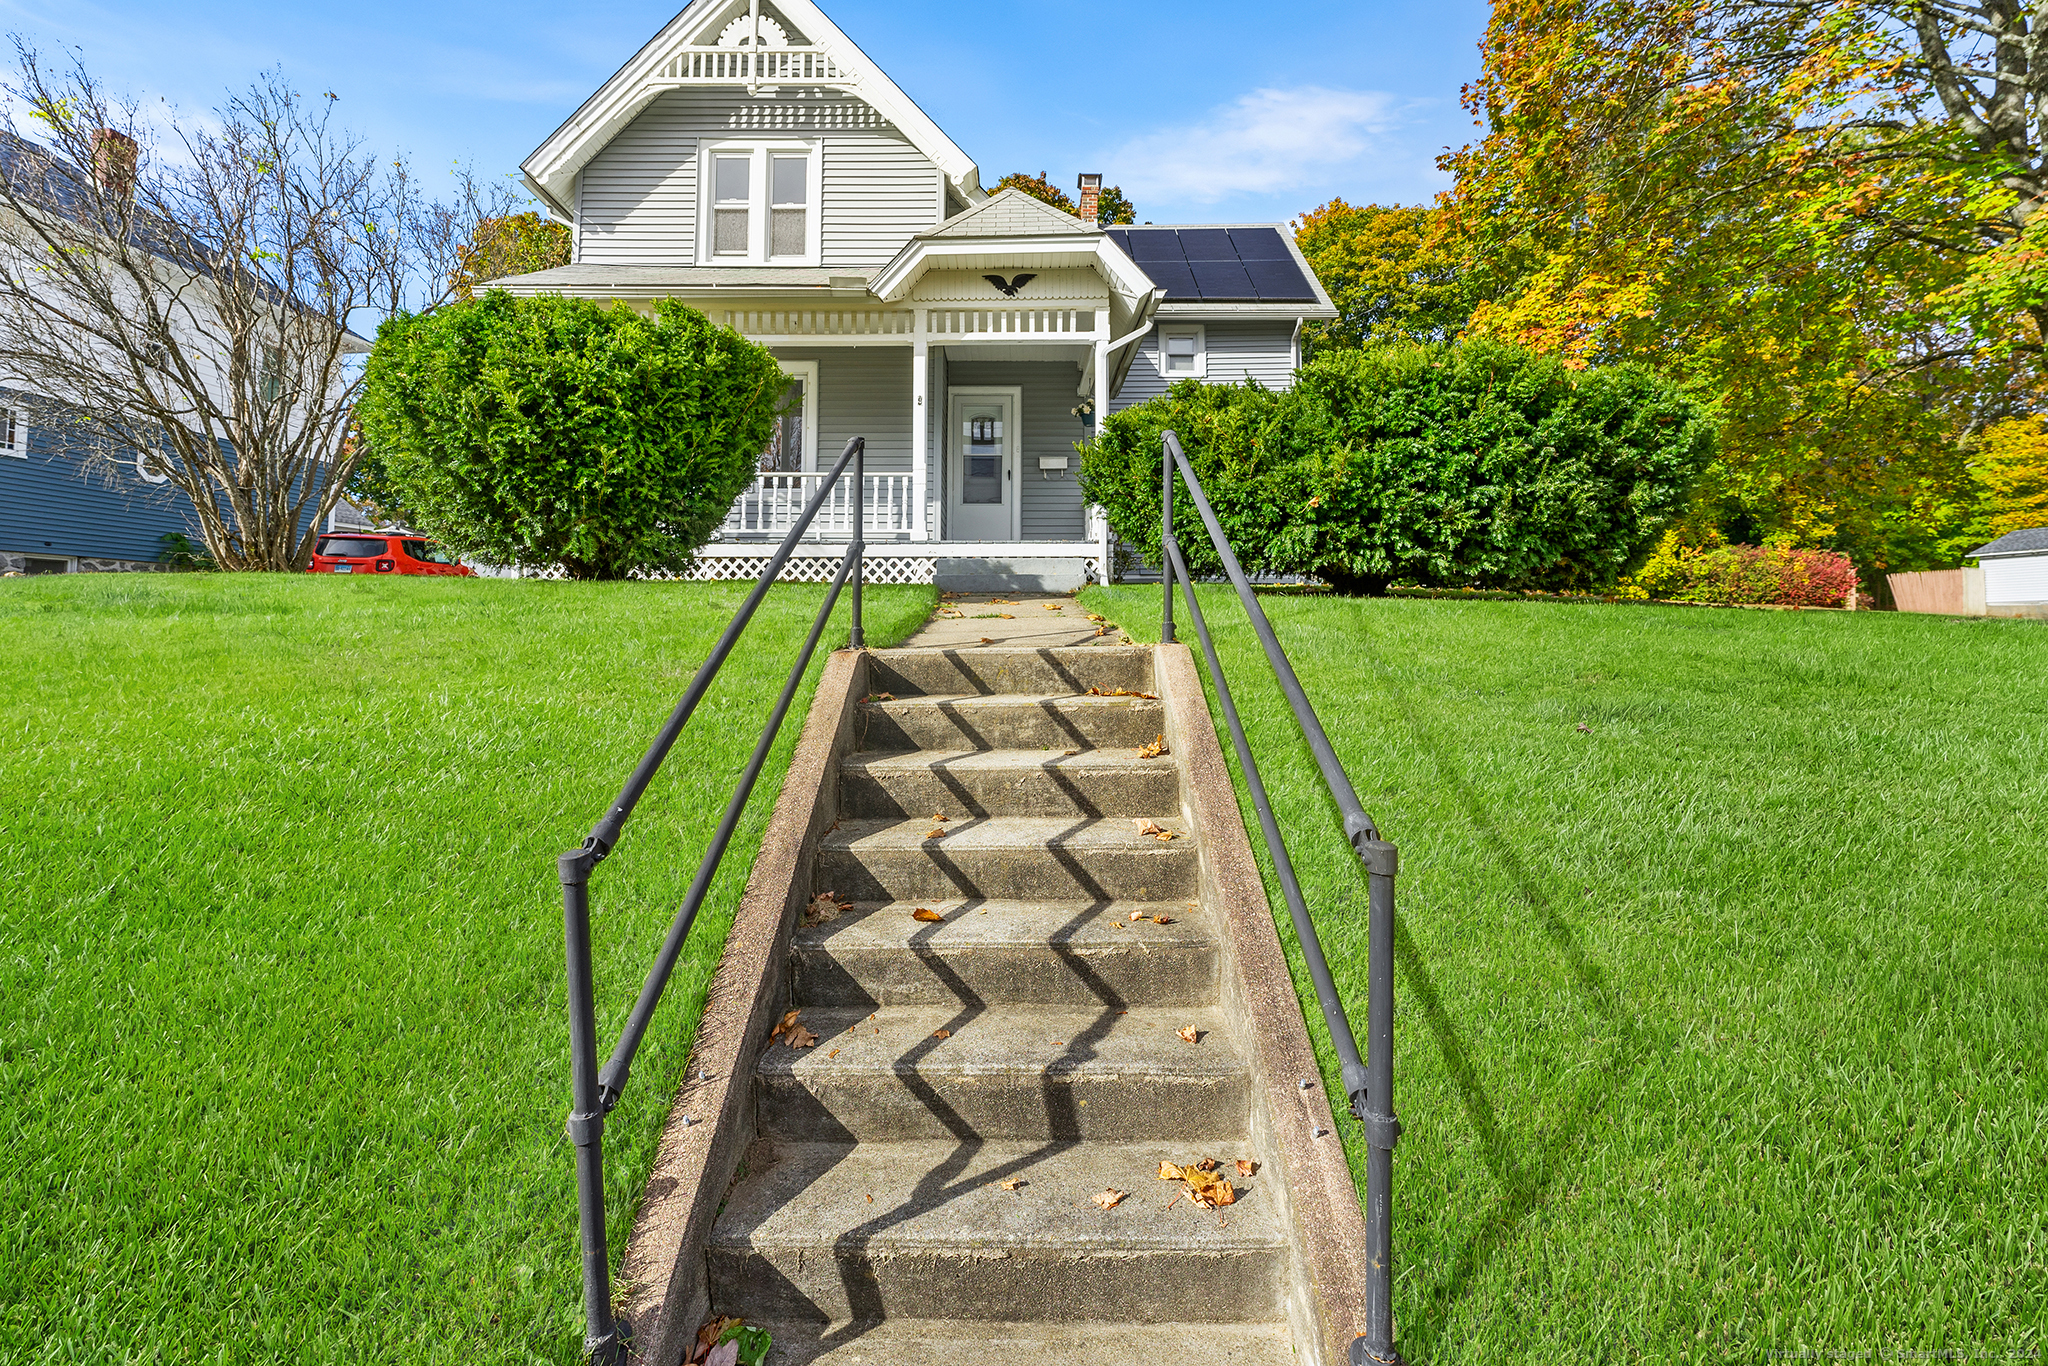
column 377, row 553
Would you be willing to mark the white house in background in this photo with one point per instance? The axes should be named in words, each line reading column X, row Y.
column 2015, row 569
column 752, row 162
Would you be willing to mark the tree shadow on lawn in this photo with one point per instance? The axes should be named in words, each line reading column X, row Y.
column 1525, row 1183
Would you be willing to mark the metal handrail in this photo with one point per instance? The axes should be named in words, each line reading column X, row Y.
column 1369, row 1084
column 596, row 1092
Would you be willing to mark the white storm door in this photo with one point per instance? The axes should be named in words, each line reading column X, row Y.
column 981, row 472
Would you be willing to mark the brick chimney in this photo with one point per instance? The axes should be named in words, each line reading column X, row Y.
column 114, row 157
column 1091, row 199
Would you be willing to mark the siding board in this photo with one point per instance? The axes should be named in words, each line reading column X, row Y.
column 1262, row 350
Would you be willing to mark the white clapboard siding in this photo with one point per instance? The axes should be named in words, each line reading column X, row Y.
column 636, row 199
column 1261, row 349
column 1050, row 505
column 2022, row 579
column 638, row 195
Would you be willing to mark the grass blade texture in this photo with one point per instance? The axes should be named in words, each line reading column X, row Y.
column 283, row 1045
column 1721, row 974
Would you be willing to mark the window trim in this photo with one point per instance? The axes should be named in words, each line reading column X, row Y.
column 760, row 199
column 1201, row 336
column 807, row 371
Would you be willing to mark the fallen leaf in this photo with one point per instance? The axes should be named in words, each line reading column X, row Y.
column 879, row 697
column 1207, row 1164
column 930, row 917
column 799, row 1037
column 988, row 640
column 1050, row 606
column 1006, row 616
column 1168, row 1172
column 1153, row 750
column 1109, row 1199
column 1013, row 1183
column 713, row 1330
column 942, row 1033
column 1155, row 830
column 1137, row 916
column 1060, row 1043
column 1073, row 751
column 1162, row 920
column 1001, row 602
column 1093, row 617
column 1189, row 1034
column 1246, row 1167
column 933, row 834
column 1585, row 729
column 787, row 1023
column 823, row 907
column 939, row 816
column 833, row 1054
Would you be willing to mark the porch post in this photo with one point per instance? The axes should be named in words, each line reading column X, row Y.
column 1105, row 566
column 920, row 427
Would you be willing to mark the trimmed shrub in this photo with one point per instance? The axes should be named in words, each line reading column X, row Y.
column 554, row 430
column 1775, row 575
column 1469, row 464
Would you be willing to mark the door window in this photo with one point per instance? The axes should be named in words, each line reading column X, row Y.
column 981, row 472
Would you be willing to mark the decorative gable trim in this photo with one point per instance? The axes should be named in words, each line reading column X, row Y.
column 682, row 55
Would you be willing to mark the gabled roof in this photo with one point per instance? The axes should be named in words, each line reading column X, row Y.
column 2031, row 540
column 1012, row 213
column 551, row 169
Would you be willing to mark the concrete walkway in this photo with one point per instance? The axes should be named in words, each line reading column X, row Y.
column 1030, row 621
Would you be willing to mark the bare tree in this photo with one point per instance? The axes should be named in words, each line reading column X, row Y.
column 195, row 294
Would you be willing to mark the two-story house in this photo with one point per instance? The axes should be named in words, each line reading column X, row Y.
column 752, row 162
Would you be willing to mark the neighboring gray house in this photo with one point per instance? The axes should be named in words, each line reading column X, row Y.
column 754, row 163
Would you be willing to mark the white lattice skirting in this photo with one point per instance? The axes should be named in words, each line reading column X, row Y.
column 876, row 567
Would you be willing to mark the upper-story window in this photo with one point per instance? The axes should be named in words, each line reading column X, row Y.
column 761, row 205
column 1182, row 352
column 13, row 437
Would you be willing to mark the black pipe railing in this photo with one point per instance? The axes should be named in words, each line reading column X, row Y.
column 1369, row 1083
column 595, row 1092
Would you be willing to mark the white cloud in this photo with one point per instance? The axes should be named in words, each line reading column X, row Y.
column 1264, row 142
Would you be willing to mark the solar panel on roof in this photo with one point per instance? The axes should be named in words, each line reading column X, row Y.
column 1162, row 244
column 1259, row 244
column 1174, row 277
column 1207, row 244
column 1279, row 281
column 1222, row 280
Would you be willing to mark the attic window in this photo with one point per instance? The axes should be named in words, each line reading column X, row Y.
column 761, row 208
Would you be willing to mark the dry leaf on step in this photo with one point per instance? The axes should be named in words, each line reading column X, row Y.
column 1137, row 916
column 1207, row 1164
column 1072, row 751
column 1155, row 830
column 942, row 1033
column 713, row 1330
column 799, row 1037
column 988, row 640
column 823, row 907
column 1168, row 1172
column 1162, row 920
column 1109, row 1199
column 1207, row 1188
column 934, row 834
column 1189, row 1034
column 1013, row 1183
column 1094, row 617
column 1050, row 606
column 879, row 697
column 928, row 916
column 784, row 1026
column 1121, row 692
column 1006, row 616
column 1153, row 750
column 1246, row 1167
column 939, row 816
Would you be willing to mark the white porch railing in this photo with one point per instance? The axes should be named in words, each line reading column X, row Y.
column 775, row 501
column 1011, row 322
column 837, row 322
column 726, row 66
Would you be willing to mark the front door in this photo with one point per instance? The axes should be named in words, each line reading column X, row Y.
column 981, row 473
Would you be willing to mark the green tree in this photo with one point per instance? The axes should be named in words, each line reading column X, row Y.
column 1112, row 208
column 1038, row 187
column 1390, row 270
column 1471, row 464
column 555, row 430
column 512, row 244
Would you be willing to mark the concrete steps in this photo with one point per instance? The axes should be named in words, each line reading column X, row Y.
column 1070, row 953
column 1030, row 1033
column 870, row 1231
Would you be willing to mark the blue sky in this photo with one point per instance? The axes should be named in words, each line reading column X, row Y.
column 1204, row 112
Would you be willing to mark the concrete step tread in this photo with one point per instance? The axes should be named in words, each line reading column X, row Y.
column 957, row 1342
column 1101, row 1045
column 1107, row 833
column 972, row 700
column 1117, row 759
column 1006, row 923
column 944, row 1196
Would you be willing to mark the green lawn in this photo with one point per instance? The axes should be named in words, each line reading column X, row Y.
column 282, row 1023
column 1722, row 973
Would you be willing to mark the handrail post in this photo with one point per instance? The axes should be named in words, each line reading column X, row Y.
column 602, row 1336
column 1376, row 1115
column 1166, row 538
column 857, row 637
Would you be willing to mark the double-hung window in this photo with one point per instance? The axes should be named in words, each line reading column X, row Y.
column 760, row 204
column 13, row 436
column 1181, row 353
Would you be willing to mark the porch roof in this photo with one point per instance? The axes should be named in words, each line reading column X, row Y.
column 662, row 281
